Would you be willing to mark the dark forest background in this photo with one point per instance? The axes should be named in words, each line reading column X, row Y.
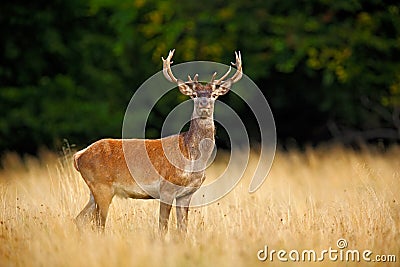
column 330, row 69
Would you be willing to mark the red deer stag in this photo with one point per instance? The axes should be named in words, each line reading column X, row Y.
column 104, row 165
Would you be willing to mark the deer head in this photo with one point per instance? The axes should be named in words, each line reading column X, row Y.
column 204, row 95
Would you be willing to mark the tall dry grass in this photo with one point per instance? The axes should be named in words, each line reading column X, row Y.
column 309, row 201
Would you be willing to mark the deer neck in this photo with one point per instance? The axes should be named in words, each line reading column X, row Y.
column 200, row 138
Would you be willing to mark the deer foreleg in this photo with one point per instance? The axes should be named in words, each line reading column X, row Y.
column 165, row 209
column 182, row 210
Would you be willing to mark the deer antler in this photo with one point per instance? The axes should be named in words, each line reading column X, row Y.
column 167, row 67
column 213, row 77
column 224, row 76
column 237, row 76
column 195, row 79
column 239, row 72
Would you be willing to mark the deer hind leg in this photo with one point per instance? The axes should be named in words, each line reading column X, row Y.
column 88, row 213
column 103, row 195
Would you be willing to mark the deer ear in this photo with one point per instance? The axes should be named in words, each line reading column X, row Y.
column 223, row 88
column 184, row 88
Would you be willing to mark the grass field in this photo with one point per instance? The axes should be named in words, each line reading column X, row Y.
column 310, row 200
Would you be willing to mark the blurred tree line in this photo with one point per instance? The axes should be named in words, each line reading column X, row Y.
column 330, row 69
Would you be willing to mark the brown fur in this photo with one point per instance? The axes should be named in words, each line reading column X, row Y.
column 104, row 168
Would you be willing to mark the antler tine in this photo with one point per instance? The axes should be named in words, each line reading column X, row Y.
column 213, row 77
column 239, row 72
column 224, row 76
column 238, row 75
column 167, row 67
column 195, row 78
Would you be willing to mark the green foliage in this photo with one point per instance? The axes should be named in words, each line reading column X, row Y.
column 69, row 67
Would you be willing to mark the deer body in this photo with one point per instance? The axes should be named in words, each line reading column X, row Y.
column 171, row 168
